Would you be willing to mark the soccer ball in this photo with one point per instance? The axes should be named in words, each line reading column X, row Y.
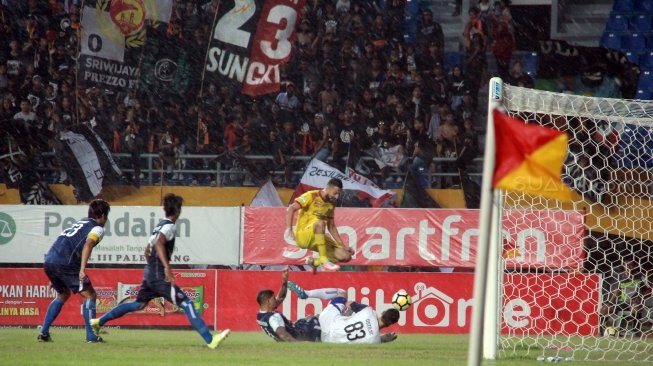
column 401, row 300
column 610, row 332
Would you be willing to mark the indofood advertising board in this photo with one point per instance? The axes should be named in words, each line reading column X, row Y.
column 204, row 235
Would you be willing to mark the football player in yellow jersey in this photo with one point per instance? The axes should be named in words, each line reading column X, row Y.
column 316, row 211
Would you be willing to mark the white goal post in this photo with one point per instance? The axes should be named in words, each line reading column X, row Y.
column 603, row 309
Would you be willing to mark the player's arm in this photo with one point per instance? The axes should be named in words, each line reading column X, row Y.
column 290, row 214
column 92, row 239
column 161, row 253
column 284, row 335
column 281, row 295
column 388, row 337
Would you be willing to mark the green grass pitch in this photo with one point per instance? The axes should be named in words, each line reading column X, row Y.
column 18, row 346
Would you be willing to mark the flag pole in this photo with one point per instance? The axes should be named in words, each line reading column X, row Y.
column 474, row 355
column 206, row 56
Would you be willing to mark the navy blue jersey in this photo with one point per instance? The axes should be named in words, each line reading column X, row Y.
column 67, row 248
column 304, row 329
column 154, row 268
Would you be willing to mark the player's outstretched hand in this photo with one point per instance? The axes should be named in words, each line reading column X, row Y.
column 388, row 337
column 284, row 274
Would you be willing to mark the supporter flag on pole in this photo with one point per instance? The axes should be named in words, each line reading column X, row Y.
column 415, row 196
column 318, row 174
column 267, row 196
column 529, row 158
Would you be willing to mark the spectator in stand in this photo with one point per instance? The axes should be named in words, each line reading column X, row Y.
column 320, row 137
column 441, row 92
column 287, row 100
column 387, row 151
column 430, row 56
column 422, row 152
column 476, row 65
column 376, row 76
column 448, row 137
column 503, row 45
column 133, row 144
column 466, row 109
column 469, row 148
column 474, row 26
column 457, row 85
column 167, row 144
column 428, row 31
column 518, row 77
column 328, row 96
column 347, row 141
column 284, row 148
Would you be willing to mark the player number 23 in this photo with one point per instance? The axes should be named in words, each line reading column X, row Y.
column 71, row 231
column 228, row 28
column 355, row 331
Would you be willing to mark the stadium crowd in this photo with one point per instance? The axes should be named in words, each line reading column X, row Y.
column 353, row 87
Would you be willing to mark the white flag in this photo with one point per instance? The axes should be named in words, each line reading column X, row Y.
column 318, row 174
column 267, row 196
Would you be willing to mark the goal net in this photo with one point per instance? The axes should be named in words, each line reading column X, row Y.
column 599, row 307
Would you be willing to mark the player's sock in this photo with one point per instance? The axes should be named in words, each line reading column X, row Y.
column 120, row 310
column 196, row 321
column 323, row 293
column 88, row 312
column 320, row 243
column 53, row 311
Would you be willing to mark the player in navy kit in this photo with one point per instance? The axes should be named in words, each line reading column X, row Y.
column 65, row 266
column 276, row 325
column 158, row 280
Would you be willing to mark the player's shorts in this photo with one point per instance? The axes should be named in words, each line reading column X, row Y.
column 64, row 277
column 151, row 289
column 305, row 238
column 332, row 312
column 308, row 329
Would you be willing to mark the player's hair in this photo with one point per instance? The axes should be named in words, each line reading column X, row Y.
column 263, row 296
column 97, row 208
column 390, row 317
column 172, row 204
column 335, row 182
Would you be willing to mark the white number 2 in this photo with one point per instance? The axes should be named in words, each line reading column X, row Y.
column 284, row 46
column 227, row 29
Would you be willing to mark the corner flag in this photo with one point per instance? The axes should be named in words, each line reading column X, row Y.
column 529, row 158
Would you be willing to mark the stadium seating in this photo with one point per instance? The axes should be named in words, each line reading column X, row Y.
column 642, row 6
column 646, row 60
column 633, row 56
column 617, row 23
column 452, row 59
column 640, row 22
column 611, row 40
column 646, row 81
column 530, row 64
column 633, row 41
column 643, row 95
column 623, row 6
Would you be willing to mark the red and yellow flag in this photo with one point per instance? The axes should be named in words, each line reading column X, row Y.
column 529, row 158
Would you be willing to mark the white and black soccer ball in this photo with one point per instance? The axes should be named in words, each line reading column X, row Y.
column 401, row 300
column 610, row 332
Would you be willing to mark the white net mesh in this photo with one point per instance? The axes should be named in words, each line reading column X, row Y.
column 602, row 310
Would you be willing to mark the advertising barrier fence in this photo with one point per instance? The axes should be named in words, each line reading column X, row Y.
column 25, row 294
column 442, row 302
column 205, row 235
column 417, row 237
